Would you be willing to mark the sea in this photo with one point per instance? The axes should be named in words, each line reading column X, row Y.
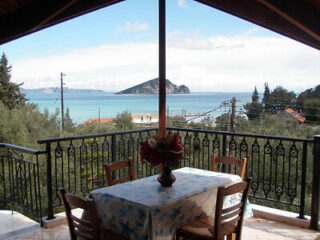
column 87, row 105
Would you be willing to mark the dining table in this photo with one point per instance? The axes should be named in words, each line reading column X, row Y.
column 142, row 209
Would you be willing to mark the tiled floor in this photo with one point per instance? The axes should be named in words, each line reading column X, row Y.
column 254, row 229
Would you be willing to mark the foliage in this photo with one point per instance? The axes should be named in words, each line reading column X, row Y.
column 254, row 109
column 281, row 99
column 10, row 93
column 266, row 99
column 69, row 124
column 255, row 95
column 311, row 110
column 124, row 120
column 176, row 121
column 24, row 124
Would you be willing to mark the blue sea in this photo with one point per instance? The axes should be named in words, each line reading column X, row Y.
column 85, row 106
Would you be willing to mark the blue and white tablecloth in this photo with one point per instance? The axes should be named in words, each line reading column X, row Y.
column 142, row 209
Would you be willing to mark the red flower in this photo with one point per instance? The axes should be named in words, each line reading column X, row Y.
column 157, row 150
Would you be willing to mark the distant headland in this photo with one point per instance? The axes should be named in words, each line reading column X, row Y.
column 66, row 90
column 152, row 87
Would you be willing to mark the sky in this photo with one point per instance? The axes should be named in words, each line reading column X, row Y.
column 117, row 47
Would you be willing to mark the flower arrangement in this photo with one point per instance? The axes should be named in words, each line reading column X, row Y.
column 166, row 150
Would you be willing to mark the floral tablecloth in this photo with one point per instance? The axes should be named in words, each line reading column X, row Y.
column 142, row 209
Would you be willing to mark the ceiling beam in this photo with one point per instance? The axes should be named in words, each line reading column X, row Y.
column 291, row 19
column 41, row 14
column 257, row 13
column 55, row 14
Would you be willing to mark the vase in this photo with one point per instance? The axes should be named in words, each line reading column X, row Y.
column 166, row 177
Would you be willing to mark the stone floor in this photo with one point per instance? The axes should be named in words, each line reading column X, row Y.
column 254, row 229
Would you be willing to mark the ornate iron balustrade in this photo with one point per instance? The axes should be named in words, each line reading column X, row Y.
column 278, row 165
column 76, row 163
column 285, row 170
column 20, row 180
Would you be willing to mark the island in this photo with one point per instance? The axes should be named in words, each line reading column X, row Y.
column 152, row 87
column 65, row 89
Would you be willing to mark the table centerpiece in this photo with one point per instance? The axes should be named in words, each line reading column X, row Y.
column 166, row 151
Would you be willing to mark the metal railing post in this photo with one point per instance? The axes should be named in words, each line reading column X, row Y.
column 303, row 181
column 114, row 148
column 315, row 204
column 49, row 182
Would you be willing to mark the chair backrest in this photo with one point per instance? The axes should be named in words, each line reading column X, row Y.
column 85, row 229
column 110, row 168
column 229, row 220
column 231, row 161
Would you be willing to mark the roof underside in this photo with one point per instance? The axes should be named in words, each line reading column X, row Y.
column 297, row 19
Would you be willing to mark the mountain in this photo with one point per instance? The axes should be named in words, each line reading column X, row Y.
column 65, row 90
column 152, row 87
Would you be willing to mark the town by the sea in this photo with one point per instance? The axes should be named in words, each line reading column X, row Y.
column 85, row 105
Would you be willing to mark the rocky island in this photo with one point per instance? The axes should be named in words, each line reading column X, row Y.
column 152, row 87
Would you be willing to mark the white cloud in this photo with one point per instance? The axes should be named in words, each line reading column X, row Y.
column 133, row 27
column 217, row 63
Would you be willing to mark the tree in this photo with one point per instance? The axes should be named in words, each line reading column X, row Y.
column 69, row 125
column 10, row 93
column 266, row 99
column 124, row 120
column 311, row 110
column 253, row 109
column 255, row 95
column 281, row 99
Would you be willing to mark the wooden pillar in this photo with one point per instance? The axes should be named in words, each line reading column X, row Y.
column 162, row 67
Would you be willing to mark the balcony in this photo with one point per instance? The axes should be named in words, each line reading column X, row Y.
column 285, row 175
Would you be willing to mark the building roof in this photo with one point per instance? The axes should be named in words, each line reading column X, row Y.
column 297, row 19
column 295, row 114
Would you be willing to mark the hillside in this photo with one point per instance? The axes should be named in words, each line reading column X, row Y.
column 66, row 90
column 152, row 87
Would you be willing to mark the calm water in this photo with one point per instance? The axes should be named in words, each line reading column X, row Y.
column 84, row 106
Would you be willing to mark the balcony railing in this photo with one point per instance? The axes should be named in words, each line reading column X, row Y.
column 285, row 170
column 20, row 180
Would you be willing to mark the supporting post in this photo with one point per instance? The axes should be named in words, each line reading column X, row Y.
column 315, row 204
column 49, row 183
column 162, row 68
column 62, row 105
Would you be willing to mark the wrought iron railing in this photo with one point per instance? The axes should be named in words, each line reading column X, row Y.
column 278, row 165
column 20, row 180
column 285, row 170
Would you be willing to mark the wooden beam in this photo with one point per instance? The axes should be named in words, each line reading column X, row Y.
column 55, row 14
column 257, row 13
column 162, row 68
column 290, row 19
column 41, row 14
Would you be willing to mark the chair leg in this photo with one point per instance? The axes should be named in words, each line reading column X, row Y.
column 231, row 236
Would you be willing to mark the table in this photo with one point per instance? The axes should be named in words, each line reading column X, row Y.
column 142, row 209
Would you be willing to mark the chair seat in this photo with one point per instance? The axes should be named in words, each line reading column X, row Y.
column 203, row 229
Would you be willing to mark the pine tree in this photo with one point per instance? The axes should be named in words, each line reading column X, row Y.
column 10, row 93
column 254, row 109
column 255, row 95
column 266, row 98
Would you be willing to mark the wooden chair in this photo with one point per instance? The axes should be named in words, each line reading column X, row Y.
column 89, row 228
column 109, row 168
column 229, row 160
column 227, row 222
